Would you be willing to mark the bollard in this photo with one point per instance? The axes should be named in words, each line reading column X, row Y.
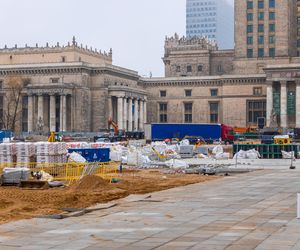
column 121, row 169
column 298, row 206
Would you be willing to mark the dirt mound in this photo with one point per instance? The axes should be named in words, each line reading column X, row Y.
column 90, row 182
column 17, row 203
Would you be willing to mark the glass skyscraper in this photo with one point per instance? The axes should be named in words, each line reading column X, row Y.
column 211, row 18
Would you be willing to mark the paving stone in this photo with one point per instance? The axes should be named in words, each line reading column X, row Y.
column 256, row 209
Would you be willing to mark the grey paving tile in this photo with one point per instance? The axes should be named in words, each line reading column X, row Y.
column 252, row 210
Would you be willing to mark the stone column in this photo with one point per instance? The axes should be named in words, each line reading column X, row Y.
column 298, row 104
column 120, row 112
column 129, row 114
column 52, row 114
column 283, row 105
column 125, row 109
column 141, row 116
column 269, row 102
column 63, row 117
column 136, row 110
column 30, row 113
column 110, row 107
column 40, row 108
column 145, row 111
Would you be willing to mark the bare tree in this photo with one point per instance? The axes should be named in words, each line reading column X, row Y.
column 12, row 109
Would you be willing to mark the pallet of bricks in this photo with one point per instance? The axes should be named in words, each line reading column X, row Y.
column 25, row 154
column 54, row 153
column 7, row 153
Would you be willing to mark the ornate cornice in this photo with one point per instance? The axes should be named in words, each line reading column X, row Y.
column 67, row 68
column 204, row 81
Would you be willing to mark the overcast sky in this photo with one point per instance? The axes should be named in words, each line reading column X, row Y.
column 134, row 29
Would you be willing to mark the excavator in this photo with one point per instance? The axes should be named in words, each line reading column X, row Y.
column 118, row 135
column 111, row 122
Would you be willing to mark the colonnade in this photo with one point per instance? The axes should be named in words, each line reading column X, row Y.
column 283, row 103
column 36, row 119
column 131, row 113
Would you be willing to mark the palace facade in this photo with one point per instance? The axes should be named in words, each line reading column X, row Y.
column 74, row 88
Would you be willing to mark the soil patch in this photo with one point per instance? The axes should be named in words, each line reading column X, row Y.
column 90, row 182
column 16, row 203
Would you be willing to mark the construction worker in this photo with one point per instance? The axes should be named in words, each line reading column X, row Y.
column 51, row 137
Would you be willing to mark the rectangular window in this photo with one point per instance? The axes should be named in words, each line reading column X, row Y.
column 249, row 28
column 298, row 32
column 214, row 92
column 261, row 4
column 249, row 40
column 261, row 16
column 54, row 80
column 298, row 43
column 256, row 109
column 257, row 91
column 271, row 27
column 261, row 52
column 163, row 93
column 249, row 53
column 249, row 17
column 188, row 92
column 271, row 52
column 260, row 28
column 271, row 39
column 188, row 112
column 177, row 68
column 189, row 68
column 298, row 20
column 1, row 86
column 249, row 5
column 163, row 110
column 271, row 3
column 271, row 15
column 214, row 112
column 260, row 39
column 200, row 68
column 63, row 59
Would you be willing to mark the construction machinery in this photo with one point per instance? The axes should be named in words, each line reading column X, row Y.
column 111, row 122
column 282, row 139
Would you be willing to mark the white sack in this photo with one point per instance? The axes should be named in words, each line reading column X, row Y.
column 177, row 164
column 217, row 150
column 75, row 157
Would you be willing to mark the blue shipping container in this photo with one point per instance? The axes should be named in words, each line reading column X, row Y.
column 164, row 131
column 93, row 154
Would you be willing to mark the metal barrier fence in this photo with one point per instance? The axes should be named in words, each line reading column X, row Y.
column 70, row 171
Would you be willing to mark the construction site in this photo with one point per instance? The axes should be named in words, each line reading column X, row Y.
column 55, row 178
column 204, row 155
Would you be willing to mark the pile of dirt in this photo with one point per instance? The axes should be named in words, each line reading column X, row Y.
column 90, row 182
column 17, row 203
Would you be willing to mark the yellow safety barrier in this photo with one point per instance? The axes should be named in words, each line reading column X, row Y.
column 70, row 171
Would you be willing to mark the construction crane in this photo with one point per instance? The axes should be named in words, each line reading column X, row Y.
column 115, row 126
